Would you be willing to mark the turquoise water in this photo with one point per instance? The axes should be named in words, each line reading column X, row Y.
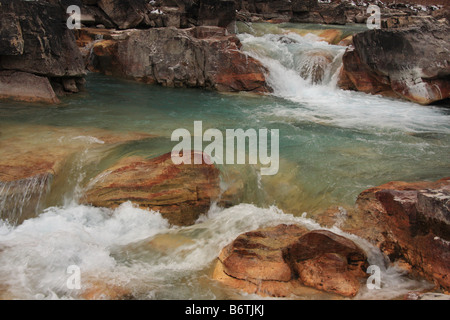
column 333, row 145
column 327, row 156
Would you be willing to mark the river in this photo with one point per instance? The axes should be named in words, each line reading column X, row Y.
column 333, row 145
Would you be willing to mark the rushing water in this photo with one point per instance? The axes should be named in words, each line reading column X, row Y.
column 333, row 145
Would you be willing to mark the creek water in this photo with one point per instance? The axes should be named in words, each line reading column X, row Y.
column 333, row 145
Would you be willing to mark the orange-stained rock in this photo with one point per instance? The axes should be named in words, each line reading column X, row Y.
column 347, row 41
column 356, row 74
column 328, row 262
column 204, row 57
column 282, row 261
column 328, row 272
column 332, row 36
column 258, row 255
column 422, row 91
column 408, row 221
column 180, row 192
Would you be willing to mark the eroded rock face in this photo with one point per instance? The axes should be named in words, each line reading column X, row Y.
column 35, row 42
column 181, row 193
column 204, row 57
column 282, row 260
column 408, row 222
column 412, row 62
column 125, row 14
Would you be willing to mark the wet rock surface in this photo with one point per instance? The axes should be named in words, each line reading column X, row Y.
column 34, row 159
column 409, row 222
column 281, row 261
column 412, row 62
column 181, row 193
column 204, row 57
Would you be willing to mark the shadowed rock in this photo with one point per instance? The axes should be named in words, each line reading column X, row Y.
column 412, row 62
column 38, row 49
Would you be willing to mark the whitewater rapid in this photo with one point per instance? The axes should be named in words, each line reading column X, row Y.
column 120, row 247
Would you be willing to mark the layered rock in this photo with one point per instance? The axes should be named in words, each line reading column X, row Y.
column 204, row 57
column 281, row 261
column 181, row 193
column 37, row 47
column 409, row 222
column 412, row 62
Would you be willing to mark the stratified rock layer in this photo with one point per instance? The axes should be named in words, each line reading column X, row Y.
column 180, row 192
column 409, row 222
column 281, row 261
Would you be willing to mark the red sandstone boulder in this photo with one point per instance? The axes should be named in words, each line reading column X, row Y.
column 409, row 222
column 286, row 259
column 181, row 193
column 356, row 75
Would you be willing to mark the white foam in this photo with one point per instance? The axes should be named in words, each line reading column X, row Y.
column 34, row 256
column 325, row 103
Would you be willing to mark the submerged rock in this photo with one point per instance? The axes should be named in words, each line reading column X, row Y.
column 181, row 193
column 33, row 158
column 281, row 261
column 412, row 62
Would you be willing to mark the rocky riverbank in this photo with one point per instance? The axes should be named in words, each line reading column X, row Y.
column 190, row 44
column 407, row 62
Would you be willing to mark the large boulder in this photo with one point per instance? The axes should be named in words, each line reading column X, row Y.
column 204, row 57
column 409, row 222
column 181, row 193
column 413, row 62
column 284, row 260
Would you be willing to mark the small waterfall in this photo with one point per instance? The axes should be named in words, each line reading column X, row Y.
column 295, row 61
column 23, row 199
